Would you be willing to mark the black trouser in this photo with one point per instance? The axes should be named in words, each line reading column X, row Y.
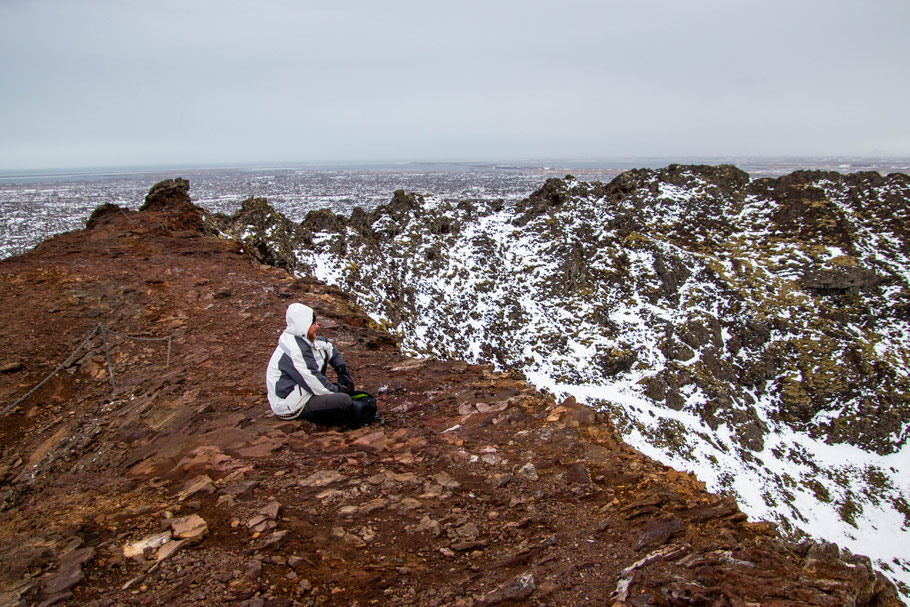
column 335, row 409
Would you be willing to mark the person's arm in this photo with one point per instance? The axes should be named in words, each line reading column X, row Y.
column 337, row 361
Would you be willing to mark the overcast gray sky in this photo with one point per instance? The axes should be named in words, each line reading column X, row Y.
column 161, row 82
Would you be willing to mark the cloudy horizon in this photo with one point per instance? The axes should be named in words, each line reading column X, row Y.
column 129, row 83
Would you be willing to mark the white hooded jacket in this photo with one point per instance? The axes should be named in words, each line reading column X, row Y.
column 297, row 368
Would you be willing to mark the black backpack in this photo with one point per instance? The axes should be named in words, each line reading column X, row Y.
column 364, row 412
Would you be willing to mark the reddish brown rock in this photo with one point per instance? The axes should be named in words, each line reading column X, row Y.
column 192, row 527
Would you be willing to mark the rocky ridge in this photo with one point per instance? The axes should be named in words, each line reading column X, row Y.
column 181, row 487
column 756, row 331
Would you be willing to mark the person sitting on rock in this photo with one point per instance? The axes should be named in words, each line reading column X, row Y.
column 296, row 381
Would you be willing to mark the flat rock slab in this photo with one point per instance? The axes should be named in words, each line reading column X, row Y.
column 658, row 533
column 68, row 574
column 200, row 484
column 374, row 441
column 155, row 540
column 517, row 589
column 322, row 478
column 262, row 448
column 169, row 549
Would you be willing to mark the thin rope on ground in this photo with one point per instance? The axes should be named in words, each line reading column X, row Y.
column 54, row 372
column 137, row 338
column 107, row 358
column 110, row 367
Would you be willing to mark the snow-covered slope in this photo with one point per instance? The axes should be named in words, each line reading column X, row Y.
column 755, row 332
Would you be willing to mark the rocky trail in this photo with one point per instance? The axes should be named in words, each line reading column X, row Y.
column 183, row 489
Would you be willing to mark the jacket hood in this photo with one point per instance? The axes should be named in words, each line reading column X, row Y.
column 299, row 318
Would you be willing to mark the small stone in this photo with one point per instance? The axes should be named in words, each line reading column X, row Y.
column 340, row 533
column 578, row 473
column 192, row 527
column 273, row 541
column 169, row 549
column 466, row 409
column 373, row 505
column 405, row 458
column 304, row 585
column 377, row 479
column 202, row 483
column 658, row 532
column 374, row 441
column 517, row 589
column 262, row 447
column 327, row 494
column 69, row 573
column 321, row 478
column 265, row 526
column 428, row 525
column 500, row 480
column 529, row 471
column 408, row 504
column 76, row 557
column 446, row 481
column 136, row 580
column 238, row 489
column 271, row 510
column 253, row 570
column 470, row 544
column 468, row 530
column 431, row 491
column 225, row 500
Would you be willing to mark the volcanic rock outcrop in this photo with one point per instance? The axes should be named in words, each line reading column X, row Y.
column 182, row 488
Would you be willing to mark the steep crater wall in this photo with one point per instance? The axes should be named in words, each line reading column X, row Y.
column 754, row 331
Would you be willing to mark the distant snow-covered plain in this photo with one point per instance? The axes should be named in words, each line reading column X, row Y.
column 34, row 206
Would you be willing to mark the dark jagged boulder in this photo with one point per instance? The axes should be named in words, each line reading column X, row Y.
column 552, row 195
column 266, row 234
column 102, row 214
column 841, row 280
column 729, row 179
column 168, row 207
column 170, row 193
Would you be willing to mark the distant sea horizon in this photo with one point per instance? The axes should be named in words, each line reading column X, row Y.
column 759, row 166
column 38, row 203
